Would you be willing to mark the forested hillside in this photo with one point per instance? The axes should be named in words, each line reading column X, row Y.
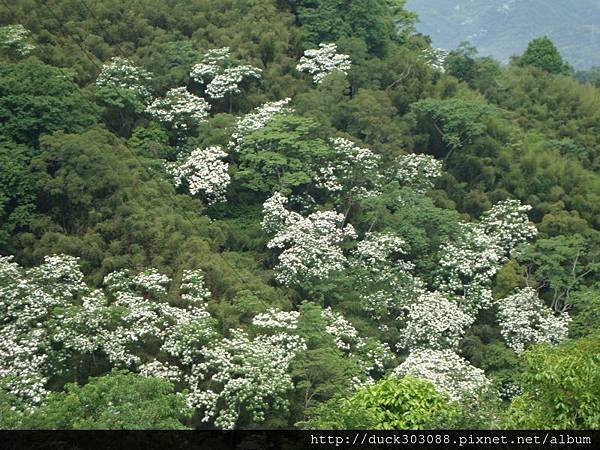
column 502, row 28
column 290, row 213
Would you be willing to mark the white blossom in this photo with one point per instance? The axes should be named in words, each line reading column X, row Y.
column 256, row 120
column 161, row 370
column 205, row 172
column 448, row 372
column 277, row 319
column 385, row 281
column 121, row 73
column 435, row 322
column 418, row 172
column 322, row 61
column 16, row 38
column 525, row 320
column 180, row 109
column 49, row 317
column 311, row 245
column 369, row 353
column 225, row 76
column 352, row 172
column 469, row 263
column 243, row 374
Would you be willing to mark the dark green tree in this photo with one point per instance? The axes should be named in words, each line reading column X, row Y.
column 543, row 54
column 119, row 400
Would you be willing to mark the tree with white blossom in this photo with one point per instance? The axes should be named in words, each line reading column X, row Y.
column 51, row 319
column 15, row 39
column 434, row 322
column 350, row 174
column 469, row 263
column 240, row 373
column 525, row 320
column 122, row 73
column 179, row 109
column 204, row 172
column 448, row 372
column 322, row 61
column 384, row 280
column 221, row 73
column 417, row 172
column 257, row 119
column 121, row 82
column 311, row 246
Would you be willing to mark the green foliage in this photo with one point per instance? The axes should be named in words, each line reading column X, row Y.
column 282, row 156
column 373, row 21
column 119, row 400
column 543, row 54
column 390, row 404
column 17, row 202
column 560, row 265
column 559, row 387
column 457, row 121
column 36, row 99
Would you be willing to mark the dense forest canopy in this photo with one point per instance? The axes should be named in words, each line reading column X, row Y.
column 277, row 213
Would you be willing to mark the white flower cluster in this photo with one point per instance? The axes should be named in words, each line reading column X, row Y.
column 161, row 370
column 205, row 172
column 342, row 331
column 225, row 78
column 243, row 374
column 28, row 300
column 525, row 320
column 378, row 248
column 435, row 322
column 322, row 61
column 277, row 319
column 210, row 65
column 256, row 120
column 436, row 58
column 193, row 289
column 352, row 172
column 448, row 372
column 311, row 245
column 180, row 109
column 370, row 354
column 508, row 223
column 385, row 281
column 123, row 74
column 418, row 172
column 49, row 316
column 16, row 38
column 468, row 264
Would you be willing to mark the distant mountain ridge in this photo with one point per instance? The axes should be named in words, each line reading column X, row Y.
column 502, row 28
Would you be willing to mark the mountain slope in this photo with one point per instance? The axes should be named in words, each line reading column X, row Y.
column 503, row 28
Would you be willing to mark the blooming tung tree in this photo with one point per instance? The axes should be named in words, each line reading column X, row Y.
column 525, row 320
column 15, row 38
column 322, row 61
column 448, row 372
column 256, row 120
column 123, row 74
column 350, row 174
column 469, row 263
column 435, row 322
column 204, row 171
column 311, row 245
column 417, row 172
column 222, row 73
column 179, row 109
